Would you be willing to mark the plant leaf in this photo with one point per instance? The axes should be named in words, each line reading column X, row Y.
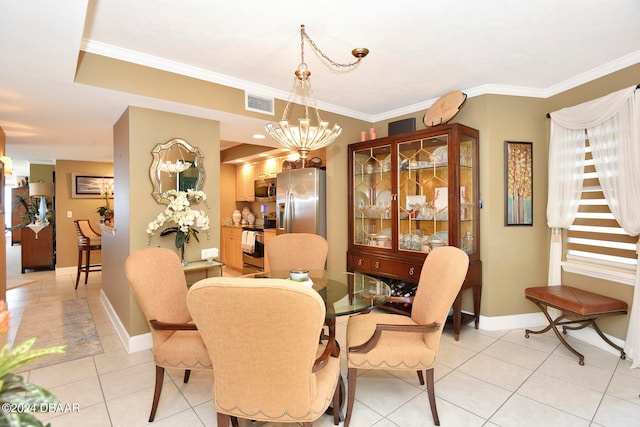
column 169, row 231
column 23, row 354
column 180, row 239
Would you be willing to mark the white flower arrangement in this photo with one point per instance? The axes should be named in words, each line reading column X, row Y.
column 179, row 212
column 106, row 189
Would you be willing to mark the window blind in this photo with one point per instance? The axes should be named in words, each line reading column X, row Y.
column 595, row 233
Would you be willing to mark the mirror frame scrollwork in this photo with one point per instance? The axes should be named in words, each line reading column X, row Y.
column 155, row 174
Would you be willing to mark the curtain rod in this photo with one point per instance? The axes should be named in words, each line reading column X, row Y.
column 549, row 114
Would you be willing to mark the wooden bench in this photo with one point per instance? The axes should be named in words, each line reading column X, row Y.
column 578, row 307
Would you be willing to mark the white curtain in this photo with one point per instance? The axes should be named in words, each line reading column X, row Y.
column 613, row 128
column 566, row 164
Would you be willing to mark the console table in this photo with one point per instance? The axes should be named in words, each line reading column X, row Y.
column 37, row 247
column 198, row 270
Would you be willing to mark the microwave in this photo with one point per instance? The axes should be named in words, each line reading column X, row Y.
column 265, row 190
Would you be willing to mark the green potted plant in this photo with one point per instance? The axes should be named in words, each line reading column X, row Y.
column 30, row 213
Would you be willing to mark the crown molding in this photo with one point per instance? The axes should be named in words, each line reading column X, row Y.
column 151, row 61
column 139, row 58
column 595, row 73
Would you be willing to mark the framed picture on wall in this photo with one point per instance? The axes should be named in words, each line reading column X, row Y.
column 88, row 186
column 518, row 183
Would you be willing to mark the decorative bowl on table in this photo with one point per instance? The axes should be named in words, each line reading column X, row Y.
column 299, row 275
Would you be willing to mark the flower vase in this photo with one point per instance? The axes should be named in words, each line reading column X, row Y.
column 184, row 262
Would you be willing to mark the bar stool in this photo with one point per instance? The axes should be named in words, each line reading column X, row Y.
column 88, row 240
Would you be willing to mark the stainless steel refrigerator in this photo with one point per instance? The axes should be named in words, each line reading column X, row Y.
column 301, row 201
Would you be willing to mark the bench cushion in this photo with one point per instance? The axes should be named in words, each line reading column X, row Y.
column 576, row 300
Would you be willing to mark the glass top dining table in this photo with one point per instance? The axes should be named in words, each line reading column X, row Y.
column 344, row 293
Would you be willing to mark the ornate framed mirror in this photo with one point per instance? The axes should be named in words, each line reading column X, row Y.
column 176, row 166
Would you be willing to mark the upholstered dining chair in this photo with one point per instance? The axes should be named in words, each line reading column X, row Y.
column 275, row 374
column 388, row 341
column 297, row 250
column 88, row 240
column 159, row 284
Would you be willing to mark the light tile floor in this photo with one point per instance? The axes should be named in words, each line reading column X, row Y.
column 484, row 379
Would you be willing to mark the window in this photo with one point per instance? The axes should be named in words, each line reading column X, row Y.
column 595, row 235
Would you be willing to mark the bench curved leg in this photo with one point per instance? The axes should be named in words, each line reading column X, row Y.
column 608, row 341
column 552, row 326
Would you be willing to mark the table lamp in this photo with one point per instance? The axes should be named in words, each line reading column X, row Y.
column 42, row 189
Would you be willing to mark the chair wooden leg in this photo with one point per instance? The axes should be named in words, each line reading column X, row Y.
column 307, row 424
column 432, row 396
column 79, row 267
column 187, row 374
column 336, row 402
column 86, row 272
column 351, row 394
column 420, row 378
column 223, row 420
column 234, row 421
column 156, row 393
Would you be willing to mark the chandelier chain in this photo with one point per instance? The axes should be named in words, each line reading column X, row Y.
column 304, row 35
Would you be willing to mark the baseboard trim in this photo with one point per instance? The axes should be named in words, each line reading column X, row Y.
column 61, row 271
column 131, row 344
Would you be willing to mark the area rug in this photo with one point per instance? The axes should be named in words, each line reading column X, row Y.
column 15, row 282
column 58, row 323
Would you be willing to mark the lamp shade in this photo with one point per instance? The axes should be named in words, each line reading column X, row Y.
column 41, row 189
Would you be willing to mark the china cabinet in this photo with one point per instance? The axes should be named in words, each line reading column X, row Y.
column 410, row 193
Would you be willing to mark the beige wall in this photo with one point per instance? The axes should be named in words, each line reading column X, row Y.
column 41, row 173
column 514, row 257
column 227, row 191
column 66, row 237
column 135, row 134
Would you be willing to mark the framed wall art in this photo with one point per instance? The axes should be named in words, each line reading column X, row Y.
column 518, row 183
column 88, row 186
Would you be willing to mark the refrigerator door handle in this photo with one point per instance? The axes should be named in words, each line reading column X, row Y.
column 288, row 212
column 285, row 213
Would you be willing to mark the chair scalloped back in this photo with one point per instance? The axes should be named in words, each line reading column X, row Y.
column 262, row 336
column 297, row 250
column 441, row 278
column 158, row 281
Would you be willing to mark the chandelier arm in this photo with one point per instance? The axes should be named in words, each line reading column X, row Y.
column 304, row 35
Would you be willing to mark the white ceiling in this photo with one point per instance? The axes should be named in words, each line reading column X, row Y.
column 419, row 51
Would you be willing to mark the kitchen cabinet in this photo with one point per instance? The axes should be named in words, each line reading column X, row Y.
column 410, row 193
column 37, row 248
column 231, row 253
column 17, row 210
column 269, row 168
column 245, row 177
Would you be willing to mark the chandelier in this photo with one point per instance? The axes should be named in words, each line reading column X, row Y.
column 172, row 168
column 308, row 134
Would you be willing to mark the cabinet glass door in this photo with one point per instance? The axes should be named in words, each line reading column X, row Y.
column 469, row 208
column 372, row 197
column 423, row 194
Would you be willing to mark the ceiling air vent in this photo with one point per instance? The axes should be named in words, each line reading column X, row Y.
column 259, row 104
